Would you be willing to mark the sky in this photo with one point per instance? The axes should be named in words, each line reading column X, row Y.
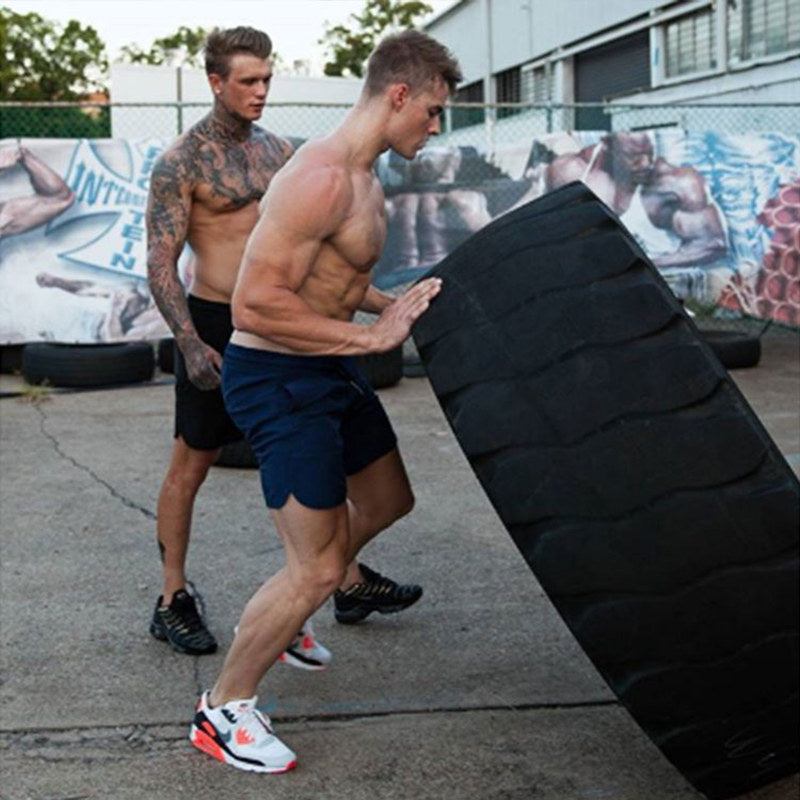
column 295, row 26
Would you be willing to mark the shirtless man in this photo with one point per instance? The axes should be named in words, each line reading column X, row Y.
column 666, row 207
column 331, row 472
column 205, row 191
column 52, row 195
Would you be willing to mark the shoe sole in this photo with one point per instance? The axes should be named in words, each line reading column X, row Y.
column 203, row 742
column 157, row 632
column 354, row 615
column 290, row 659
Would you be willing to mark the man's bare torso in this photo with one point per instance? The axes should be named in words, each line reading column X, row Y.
column 226, row 179
column 339, row 277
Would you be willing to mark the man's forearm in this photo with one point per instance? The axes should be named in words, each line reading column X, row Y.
column 694, row 251
column 169, row 296
column 289, row 321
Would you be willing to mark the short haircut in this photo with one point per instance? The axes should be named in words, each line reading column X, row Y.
column 221, row 44
column 410, row 57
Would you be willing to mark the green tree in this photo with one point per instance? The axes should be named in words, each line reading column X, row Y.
column 44, row 60
column 349, row 46
column 182, row 48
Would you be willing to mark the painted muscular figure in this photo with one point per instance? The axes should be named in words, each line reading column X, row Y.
column 667, row 206
column 52, row 195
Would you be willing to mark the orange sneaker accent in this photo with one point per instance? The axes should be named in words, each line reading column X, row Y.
column 243, row 737
column 208, row 728
column 308, row 642
column 202, row 741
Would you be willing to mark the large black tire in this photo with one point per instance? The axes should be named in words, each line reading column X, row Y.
column 237, row 455
column 88, row 365
column 734, row 349
column 640, row 487
column 383, row 369
column 166, row 355
column 11, row 358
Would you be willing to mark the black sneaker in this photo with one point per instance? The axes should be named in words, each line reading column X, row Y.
column 375, row 594
column 181, row 625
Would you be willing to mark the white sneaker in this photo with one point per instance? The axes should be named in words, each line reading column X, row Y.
column 305, row 652
column 238, row 734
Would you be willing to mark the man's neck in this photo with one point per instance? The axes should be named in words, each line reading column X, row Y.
column 227, row 126
column 362, row 133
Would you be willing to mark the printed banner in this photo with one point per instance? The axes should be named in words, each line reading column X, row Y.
column 72, row 241
column 719, row 215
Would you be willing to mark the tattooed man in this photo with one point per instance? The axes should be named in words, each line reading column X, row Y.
column 205, row 191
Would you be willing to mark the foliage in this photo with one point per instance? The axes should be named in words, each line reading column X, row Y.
column 55, row 123
column 349, row 46
column 182, row 48
column 44, row 60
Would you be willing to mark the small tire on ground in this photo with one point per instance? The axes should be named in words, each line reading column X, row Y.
column 87, row 365
column 383, row 369
column 237, row 455
column 166, row 355
column 735, row 350
column 11, row 358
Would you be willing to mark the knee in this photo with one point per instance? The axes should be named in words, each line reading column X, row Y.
column 186, row 478
column 320, row 579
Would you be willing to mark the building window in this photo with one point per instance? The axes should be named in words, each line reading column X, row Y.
column 464, row 117
column 758, row 28
column 536, row 86
column 690, row 44
column 508, row 85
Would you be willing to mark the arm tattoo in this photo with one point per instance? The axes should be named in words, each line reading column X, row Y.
column 168, row 209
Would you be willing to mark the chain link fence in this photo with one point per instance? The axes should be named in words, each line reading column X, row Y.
column 489, row 159
column 482, row 126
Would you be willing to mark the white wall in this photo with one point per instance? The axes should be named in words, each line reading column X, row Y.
column 522, row 30
column 140, row 83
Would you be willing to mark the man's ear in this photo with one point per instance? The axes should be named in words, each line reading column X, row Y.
column 215, row 82
column 398, row 94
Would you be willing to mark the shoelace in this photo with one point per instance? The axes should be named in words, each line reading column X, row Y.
column 376, row 585
column 256, row 723
column 186, row 621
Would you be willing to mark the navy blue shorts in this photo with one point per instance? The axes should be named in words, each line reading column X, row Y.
column 310, row 420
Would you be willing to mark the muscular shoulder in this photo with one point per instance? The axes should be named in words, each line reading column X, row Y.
column 175, row 165
column 311, row 193
column 279, row 149
column 685, row 183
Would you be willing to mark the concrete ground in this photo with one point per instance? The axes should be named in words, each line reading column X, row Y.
column 479, row 691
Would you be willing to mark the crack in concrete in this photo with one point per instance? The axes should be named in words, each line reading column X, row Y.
column 126, row 501
column 120, row 741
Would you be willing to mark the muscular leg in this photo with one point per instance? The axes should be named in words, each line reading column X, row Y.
column 316, row 543
column 319, row 545
column 187, row 470
column 377, row 496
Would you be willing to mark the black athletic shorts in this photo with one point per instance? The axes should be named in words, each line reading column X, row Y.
column 200, row 415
